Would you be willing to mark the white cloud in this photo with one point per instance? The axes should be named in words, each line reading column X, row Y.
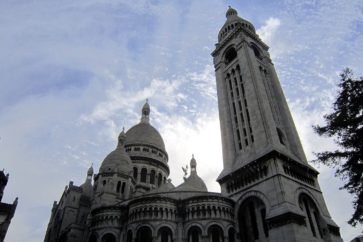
column 268, row 31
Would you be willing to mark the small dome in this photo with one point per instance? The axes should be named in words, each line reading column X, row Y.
column 165, row 187
column 118, row 160
column 193, row 182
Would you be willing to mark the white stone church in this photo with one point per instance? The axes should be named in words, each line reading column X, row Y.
column 269, row 192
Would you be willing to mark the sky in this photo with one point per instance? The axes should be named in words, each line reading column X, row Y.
column 73, row 73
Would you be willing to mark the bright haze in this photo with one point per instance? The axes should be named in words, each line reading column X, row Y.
column 73, row 73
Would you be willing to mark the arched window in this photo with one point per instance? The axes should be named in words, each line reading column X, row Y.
column 230, row 55
column 92, row 238
column 143, row 175
column 160, row 178
column 118, row 187
column 252, row 220
column 256, row 51
column 194, row 234
column 144, row 234
column 129, row 236
column 165, row 235
column 281, row 136
column 231, row 235
column 108, row 238
column 215, row 233
column 123, row 187
column 312, row 213
column 135, row 173
column 152, row 177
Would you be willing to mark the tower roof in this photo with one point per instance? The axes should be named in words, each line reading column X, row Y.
column 234, row 21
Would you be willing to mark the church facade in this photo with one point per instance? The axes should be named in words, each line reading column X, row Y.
column 269, row 192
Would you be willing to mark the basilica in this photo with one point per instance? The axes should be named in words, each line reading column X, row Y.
column 269, row 192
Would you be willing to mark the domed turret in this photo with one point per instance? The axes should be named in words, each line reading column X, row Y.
column 193, row 182
column 234, row 22
column 118, row 160
column 231, row 12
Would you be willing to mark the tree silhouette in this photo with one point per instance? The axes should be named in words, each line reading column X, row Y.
column 345, row 125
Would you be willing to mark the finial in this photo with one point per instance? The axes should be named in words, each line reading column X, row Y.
column 193, row 164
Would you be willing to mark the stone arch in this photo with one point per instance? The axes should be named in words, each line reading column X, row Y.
column 302, row 190
column 313, row 218
column 152, row 228
column 165, row 234
column 194, row 233
column 256, row 50
column 144, row 234
column 215, row 233
column 93, row 237
column 231, row 234
column 108, row 237
column 251, row 218
column 253, row 193
column 230, row 54
column 129, row 236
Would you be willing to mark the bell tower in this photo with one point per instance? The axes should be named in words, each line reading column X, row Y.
column 265, row 170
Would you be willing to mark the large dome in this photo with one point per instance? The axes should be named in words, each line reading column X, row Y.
column 144, row 133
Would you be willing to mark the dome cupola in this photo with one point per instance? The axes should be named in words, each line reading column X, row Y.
column 144, row 134
column 233, row 23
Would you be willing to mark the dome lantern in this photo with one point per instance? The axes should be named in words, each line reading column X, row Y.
column 145, row 112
